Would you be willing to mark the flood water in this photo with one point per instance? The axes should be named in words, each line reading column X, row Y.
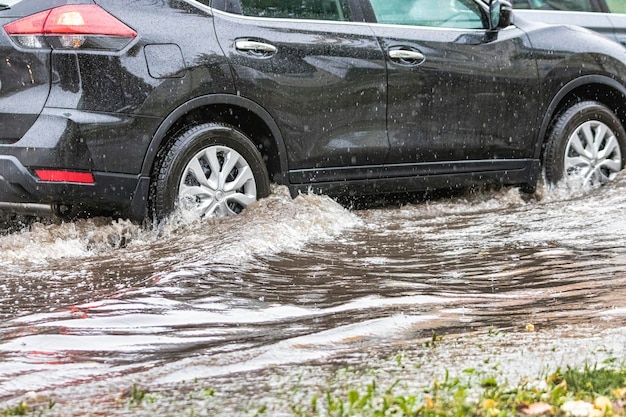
column 97, row 305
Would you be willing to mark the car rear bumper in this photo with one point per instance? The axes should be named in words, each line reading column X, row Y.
column 111, row 148
column 21, row 191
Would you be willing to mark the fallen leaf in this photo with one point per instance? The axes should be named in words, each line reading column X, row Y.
column 489, row 404
column 620, row 392
column 578, row 408
column 619, row 406
column 535, row 409
column 603, row 404
column 430, row 404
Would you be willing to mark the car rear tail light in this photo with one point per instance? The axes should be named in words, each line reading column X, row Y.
column 71, row 27
column 50, row 175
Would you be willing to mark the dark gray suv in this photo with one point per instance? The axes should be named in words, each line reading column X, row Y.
column 138, row 108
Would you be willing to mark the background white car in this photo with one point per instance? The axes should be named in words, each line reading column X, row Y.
column 605, row 16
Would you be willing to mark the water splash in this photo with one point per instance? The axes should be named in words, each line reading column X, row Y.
column 276, row 223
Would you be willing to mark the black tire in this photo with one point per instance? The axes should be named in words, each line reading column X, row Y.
column 587, row 141
column 177, row 181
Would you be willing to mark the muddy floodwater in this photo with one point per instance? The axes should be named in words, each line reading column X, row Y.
column 292, row 286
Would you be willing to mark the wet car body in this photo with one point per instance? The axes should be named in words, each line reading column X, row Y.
column 592, row 14
column 340, row 107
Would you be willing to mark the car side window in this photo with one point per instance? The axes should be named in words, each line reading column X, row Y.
column 463, row 14
column 297, row 9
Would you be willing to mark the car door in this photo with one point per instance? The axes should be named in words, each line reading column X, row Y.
column 319, row 74
column 24, row 74
column 460, row 97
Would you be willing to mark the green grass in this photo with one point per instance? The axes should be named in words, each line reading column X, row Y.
column 472, row 393
column 19, row 410
column 24, row 409
column 478, row 395
column 594, row 381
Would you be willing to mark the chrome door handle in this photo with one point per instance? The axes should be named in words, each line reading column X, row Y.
column 406, row 55
column 255, row 46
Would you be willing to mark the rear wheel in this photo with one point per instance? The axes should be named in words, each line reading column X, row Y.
column 211, row 170
column 587, row 143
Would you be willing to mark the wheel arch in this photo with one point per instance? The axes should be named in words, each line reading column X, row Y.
column 600, row 88
column 244, row 114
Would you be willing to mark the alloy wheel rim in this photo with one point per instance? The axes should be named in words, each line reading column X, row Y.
column 217, row 182
column 593, row 154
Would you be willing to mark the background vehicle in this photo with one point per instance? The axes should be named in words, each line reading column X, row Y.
column 604, row 16
column 136, row 108
column 604, row 6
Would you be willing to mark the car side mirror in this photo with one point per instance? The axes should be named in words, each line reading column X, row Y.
column 500, row 14
column 506, row 13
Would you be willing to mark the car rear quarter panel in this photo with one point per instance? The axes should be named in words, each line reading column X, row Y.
column 174, row 58
column 24, row 87
column 164, row 27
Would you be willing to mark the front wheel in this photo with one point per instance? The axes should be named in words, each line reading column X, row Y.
column 211, row 170
column 587, row 143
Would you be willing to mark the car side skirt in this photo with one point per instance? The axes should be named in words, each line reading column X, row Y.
column 414, row 177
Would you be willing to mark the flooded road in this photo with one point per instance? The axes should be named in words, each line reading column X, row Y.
column 96, row 306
